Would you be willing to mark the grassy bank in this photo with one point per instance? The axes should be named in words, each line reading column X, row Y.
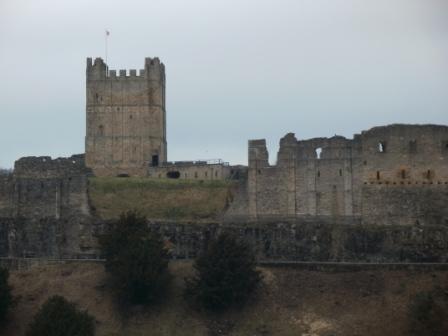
column 290, row 302
column 160, row 198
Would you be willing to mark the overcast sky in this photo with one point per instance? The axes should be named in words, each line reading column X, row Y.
column 236, row 69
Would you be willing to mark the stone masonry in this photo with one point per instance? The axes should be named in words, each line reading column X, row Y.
column 395, row 174
column 126, row 118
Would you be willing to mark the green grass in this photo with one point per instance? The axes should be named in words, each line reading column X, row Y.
column 160, row 198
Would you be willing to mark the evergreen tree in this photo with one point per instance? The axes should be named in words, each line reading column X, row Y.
column 225, row 276
column 5, row 295
column 58, row 317
column 136, row 260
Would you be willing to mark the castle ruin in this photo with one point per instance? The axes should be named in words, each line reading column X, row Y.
column 395, row 174
column 380, row 196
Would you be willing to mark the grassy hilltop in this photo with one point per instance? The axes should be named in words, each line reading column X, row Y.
column 160, row 198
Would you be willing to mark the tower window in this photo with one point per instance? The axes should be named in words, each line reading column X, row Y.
column 340, row 172
column 378, row 175
column 100, row 130
column 318, row 152
column 403, row 174
column 155, row 160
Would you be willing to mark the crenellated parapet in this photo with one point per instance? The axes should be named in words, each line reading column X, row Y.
column 98, row 70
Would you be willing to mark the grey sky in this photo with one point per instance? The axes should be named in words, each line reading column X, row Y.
column 236, row 69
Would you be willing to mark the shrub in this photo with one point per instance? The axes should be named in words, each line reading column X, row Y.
column 425, row 315
column 5, row 295
column 136, row 260
column 225, row 274
column 58, row 317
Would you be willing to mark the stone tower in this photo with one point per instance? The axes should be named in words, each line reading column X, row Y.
column 126, row 118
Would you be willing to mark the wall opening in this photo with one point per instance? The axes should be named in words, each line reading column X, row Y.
column 381, row 147
column 100, row 130
column 378, row 175
column 155, row 160
column 173, row 174
column 318, row 173
column 445, row 146
column 403, row 174
column 428, row 174
column 318, row 152
column 413, row 146
column 340, row 172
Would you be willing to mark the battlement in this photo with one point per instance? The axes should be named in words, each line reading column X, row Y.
column 99, row 70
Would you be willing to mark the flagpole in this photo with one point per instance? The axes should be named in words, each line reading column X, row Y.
column 105, row 38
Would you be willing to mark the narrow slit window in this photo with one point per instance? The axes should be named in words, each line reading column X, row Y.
column 378, row 176
column 318, row 152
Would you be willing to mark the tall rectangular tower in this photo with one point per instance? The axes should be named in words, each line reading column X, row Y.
column 126, row 118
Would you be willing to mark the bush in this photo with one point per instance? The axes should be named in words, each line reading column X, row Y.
column 425, row 315
column 225, row 274
column 58, row 317
column 5, row 295
column 136, row 260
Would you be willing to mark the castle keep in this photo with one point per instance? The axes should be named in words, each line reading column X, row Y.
column 126, row 118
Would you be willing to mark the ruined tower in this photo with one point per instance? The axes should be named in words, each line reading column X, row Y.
column 126, row 118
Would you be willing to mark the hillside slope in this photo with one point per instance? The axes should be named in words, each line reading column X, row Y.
column 291, row 302
column 160, row 198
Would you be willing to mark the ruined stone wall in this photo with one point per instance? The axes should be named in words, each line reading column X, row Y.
column 314, row 241
column 394, row 174
column 44, row 208
column 6, row 195
column 126, row 118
